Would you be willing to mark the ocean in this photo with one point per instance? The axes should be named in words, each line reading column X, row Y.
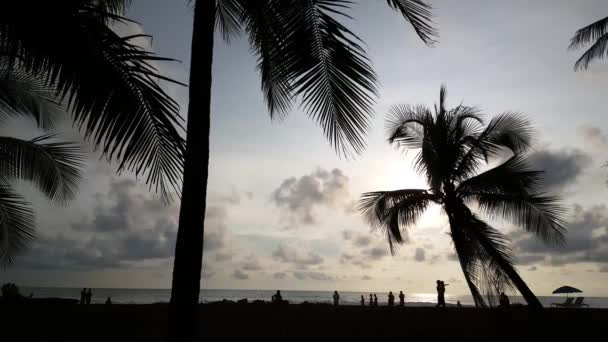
column 149, row 296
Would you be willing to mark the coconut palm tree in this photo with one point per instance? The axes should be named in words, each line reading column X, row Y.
column 64, row 57
column 304, row 51
column 596, row 34
column 454, row 145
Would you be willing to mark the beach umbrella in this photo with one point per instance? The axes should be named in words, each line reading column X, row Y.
column 567, row 290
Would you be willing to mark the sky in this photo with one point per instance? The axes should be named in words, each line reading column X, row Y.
column 281, row 203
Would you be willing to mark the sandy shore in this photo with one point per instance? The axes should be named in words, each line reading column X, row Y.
column 314, row 322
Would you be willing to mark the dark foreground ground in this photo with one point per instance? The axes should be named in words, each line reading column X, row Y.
column 314, row 322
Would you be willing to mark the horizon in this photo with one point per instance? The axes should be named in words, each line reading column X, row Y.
column 280, row 203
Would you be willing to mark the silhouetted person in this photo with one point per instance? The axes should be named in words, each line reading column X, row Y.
column 458, row 305
column 83, row 295
column 89, row 295
column 108, row 301
column 504, row 300
column 362, row 300
column 375, row 300
column 391, row 298
column 336, row 298
column 401, row 298
column 441, row 293
column 277, row 298
column 371, row 300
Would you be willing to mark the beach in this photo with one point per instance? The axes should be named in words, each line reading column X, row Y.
column 314, row 322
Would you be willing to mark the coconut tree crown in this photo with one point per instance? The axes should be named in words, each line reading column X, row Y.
column 454, row 145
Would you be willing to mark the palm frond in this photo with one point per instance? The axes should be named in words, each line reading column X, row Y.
column 16, row 225
column 596, row 33
column 393, row 211
column 117, row 7
column 228, row 18
column 317, row 58
column 405, row 125
column 590, row 33
column 22, row 94
column 418, row 13
column 511, row 130
column 109, row 84
column 54, row 167
column 598, row 50
column 542, row 215
column 515, row 176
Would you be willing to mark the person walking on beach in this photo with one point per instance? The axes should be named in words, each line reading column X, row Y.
column 362, row 300
column 401, row 298
column 89, row 295
column 277, row 298
column 336, row 298
column 375, row 300
column 441, row 293
column 83, row 295
column 371, row 300
column 391, row 298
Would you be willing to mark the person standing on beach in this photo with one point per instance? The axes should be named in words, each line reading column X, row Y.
column 362, row 301
column 336, row 298
column 83, row 295
column 391, row 298
column 371, row 300
column 401, row 298
column 375, row 300
column 89, row 295
column 441, row 293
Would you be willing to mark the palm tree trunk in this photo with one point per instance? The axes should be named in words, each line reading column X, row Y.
column 458, row 240
column 183, row 308
column 519, row 283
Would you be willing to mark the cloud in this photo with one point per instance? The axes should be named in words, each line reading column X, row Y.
column 279, row 275
column 593, row 135
column 587, row 240
column 320, row 276
column 419, row 255
column 252, row 264
column 299, row 259
column 128, row 226
column 238, row 274
column 377, row 252
column 221, row 256
column 300, row 198
column 363, row 241
column 562, row 168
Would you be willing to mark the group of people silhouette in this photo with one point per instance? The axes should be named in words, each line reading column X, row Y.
column 373, row 298
column 85, row 296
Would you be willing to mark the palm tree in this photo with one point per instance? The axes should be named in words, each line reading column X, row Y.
column 54, row 167
column 304, row 51
column 454, row 144
column 63, row 57
column 596, row 33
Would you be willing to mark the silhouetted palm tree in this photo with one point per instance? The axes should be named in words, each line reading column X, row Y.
column 454, row 145
column 304, row 51
column 63, row 57
column 596, row 34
